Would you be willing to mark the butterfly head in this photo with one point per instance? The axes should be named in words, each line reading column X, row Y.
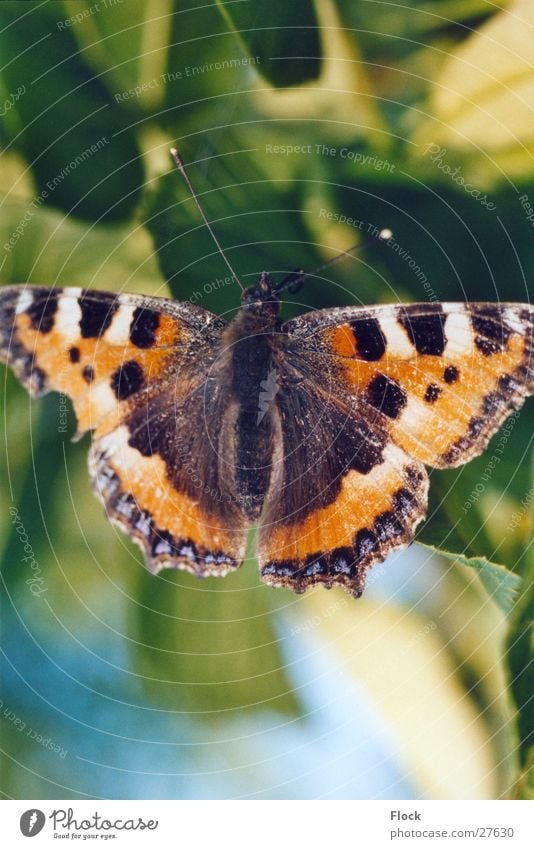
column 262, row 297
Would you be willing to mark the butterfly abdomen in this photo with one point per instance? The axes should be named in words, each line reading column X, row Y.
column 254, row 386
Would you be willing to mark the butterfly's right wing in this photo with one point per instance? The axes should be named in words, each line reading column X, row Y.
column 367, row 396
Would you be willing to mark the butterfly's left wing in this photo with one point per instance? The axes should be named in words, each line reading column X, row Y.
column 367, row 396
column 136, row 370
column 94, row 346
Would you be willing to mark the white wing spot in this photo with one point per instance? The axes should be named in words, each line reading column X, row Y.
column 513, row 321
column 68, row 315
column 398, row 344
column 459, row 333
column 415, row 417
column 118, row 333
column 24, row 301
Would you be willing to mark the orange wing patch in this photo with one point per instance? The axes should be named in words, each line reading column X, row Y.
column 95, row 347
column 170, row 526
column 443, row 402
column 372, row 515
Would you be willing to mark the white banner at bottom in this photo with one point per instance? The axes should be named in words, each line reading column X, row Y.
column 262, row 824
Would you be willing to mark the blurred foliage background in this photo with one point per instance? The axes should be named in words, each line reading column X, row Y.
column 298, row 122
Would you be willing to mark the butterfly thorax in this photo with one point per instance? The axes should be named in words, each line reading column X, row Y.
column 250, row 341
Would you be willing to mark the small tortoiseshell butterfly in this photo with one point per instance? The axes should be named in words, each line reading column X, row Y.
column 317, row 429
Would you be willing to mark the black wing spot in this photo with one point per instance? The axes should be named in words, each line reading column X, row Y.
column 476, row 426
column 42, row 312
column 97, row 313
column 370, row 340
column 508, row 385
column 492, row 334
column 387, row 526
column 414, row 475
column 425, row 331
column 341, row 561
column 491, row 404
column 127, row 379
column 38, row 379
column 488, row 322
column 433, row 391
column 404, row 502
column 74, row 354
column 365, row 543
column 451, row 374
column 88, row 374
column 487, row 347
column 386, row 395
column 143, row 328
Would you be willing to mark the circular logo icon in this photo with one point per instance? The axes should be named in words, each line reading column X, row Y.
column 32, row 822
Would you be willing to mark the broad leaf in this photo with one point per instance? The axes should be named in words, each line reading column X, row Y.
column 84, row 155
column 282, row 37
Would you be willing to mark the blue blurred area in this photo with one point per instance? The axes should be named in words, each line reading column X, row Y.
column 113, row 743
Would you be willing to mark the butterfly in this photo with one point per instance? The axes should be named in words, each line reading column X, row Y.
column 318, row 429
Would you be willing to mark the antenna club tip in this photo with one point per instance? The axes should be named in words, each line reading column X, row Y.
column 177, row 158
column 385, row 234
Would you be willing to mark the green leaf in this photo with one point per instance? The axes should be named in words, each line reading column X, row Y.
column 524, row 788
column 501, row 584
column 43, row 246
column 481, row 113
column 282, row 37
column 127, row 44
column 83, row 152
column 520, row 659
column 457, row 526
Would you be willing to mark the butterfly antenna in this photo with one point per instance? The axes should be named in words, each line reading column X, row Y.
column 294, row 281
column 181, row 167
